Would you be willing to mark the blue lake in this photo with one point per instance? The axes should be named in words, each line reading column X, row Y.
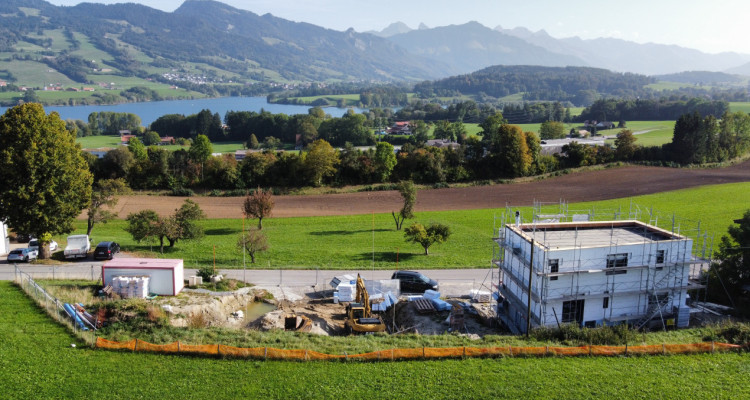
column 150, row 111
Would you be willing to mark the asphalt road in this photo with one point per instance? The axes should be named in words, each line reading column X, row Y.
column 448, row 278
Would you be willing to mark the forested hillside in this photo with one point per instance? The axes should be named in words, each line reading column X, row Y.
column 579, row 85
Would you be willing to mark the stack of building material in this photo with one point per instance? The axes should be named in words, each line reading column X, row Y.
column 131, row 286
column 388, row 300
column 441, row 305
column 383, row 286
column 431, row 294
column 346, row 279
column 481, row 296
column 346, row 292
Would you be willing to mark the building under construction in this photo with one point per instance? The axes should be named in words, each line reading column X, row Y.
column 572, row 268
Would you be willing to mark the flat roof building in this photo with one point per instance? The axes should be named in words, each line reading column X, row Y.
column 592, row 274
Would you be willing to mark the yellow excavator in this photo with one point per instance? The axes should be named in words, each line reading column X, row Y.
column 359, row 317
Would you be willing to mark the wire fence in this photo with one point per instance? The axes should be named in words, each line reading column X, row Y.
column 419, row 353
column 53, row 306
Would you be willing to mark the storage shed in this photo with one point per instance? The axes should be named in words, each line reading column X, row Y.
column 166, row 275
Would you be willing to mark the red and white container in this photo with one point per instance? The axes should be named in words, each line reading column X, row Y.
column 166, row 276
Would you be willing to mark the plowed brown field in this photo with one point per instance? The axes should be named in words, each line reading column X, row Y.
column 580, row 186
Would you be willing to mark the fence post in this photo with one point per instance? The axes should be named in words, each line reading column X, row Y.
column 265, row 354
column 589, row 350
column 663, row 349
column 626, row 349
column 546, row 350
column 712, row 346
column 135, row 348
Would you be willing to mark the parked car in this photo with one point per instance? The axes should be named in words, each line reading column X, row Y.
column 106, row 250
column 414, row 282
column 22, row 254
column 23, row 237
column 78, row 246
column 34, row 245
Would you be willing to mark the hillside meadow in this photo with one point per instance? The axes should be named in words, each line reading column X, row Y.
column 371, row 240
column 39, row 362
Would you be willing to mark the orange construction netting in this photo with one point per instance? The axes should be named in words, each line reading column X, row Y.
column 419, row 353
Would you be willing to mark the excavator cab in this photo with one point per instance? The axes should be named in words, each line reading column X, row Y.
column 359, row 317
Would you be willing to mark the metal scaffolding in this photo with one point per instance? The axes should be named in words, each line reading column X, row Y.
column 657, row 286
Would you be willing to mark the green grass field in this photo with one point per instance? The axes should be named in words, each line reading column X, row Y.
column 95, row 142
column 38, row 362
column 346, row 242
column 737, row 106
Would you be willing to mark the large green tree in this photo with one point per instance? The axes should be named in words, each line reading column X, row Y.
column 551, row 130
column 384, row 160
column 44, row 181
column 730, row 279
column 320, row 161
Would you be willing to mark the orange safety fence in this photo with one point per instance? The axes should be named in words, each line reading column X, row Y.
column 418, row 353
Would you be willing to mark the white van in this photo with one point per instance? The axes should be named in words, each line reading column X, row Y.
column 78, row 246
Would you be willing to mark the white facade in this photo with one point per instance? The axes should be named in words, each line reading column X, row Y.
column 4, row 241
column 166, row 276
column 593, row 273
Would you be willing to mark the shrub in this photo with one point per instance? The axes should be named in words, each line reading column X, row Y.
column 206, row 272
column 182, row 191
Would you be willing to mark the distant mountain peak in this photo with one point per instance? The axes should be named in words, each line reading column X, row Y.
column 395, row 28
column 422, row 26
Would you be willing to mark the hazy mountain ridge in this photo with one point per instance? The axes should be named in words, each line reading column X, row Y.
column 472, row 46
column 609, row 53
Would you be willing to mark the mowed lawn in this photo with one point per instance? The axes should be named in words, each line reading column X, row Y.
column 367, row 241
column 38, row 362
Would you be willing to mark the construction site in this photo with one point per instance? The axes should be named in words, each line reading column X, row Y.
column 596, row 267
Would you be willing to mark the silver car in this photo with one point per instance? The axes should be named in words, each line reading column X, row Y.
column 34, row 245
column 23, row 254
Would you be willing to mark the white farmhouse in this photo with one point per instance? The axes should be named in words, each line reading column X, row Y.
column 593, row 273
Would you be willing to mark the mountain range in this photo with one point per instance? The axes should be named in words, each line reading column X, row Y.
column 135, row 40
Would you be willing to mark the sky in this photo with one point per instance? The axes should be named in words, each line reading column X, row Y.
column 710, row 26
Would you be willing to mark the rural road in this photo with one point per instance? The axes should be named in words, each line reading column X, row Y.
column 279, row 277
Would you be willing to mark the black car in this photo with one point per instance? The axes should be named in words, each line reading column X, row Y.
column 106, row 250
column 414, row 282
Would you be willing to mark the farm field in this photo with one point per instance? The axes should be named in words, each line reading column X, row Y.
column 370, row 240
column 39, row 362
column 736, row 106
column 104, row 141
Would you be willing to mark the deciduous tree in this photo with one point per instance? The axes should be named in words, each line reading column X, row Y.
column 385, row 160
column 625, row 145
column 104, row 194
column 258, row 205
column 426, row 237
column 253, row 241
column 320, row 161
column 44, row 181
column 409, row 194
column 731, row 274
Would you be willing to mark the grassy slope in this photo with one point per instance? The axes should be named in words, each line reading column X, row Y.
column 38, row 362
column 345, row 242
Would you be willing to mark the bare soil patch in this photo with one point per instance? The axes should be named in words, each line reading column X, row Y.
column 595, row 185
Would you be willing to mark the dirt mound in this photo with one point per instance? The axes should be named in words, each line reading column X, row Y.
column 603, row 184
